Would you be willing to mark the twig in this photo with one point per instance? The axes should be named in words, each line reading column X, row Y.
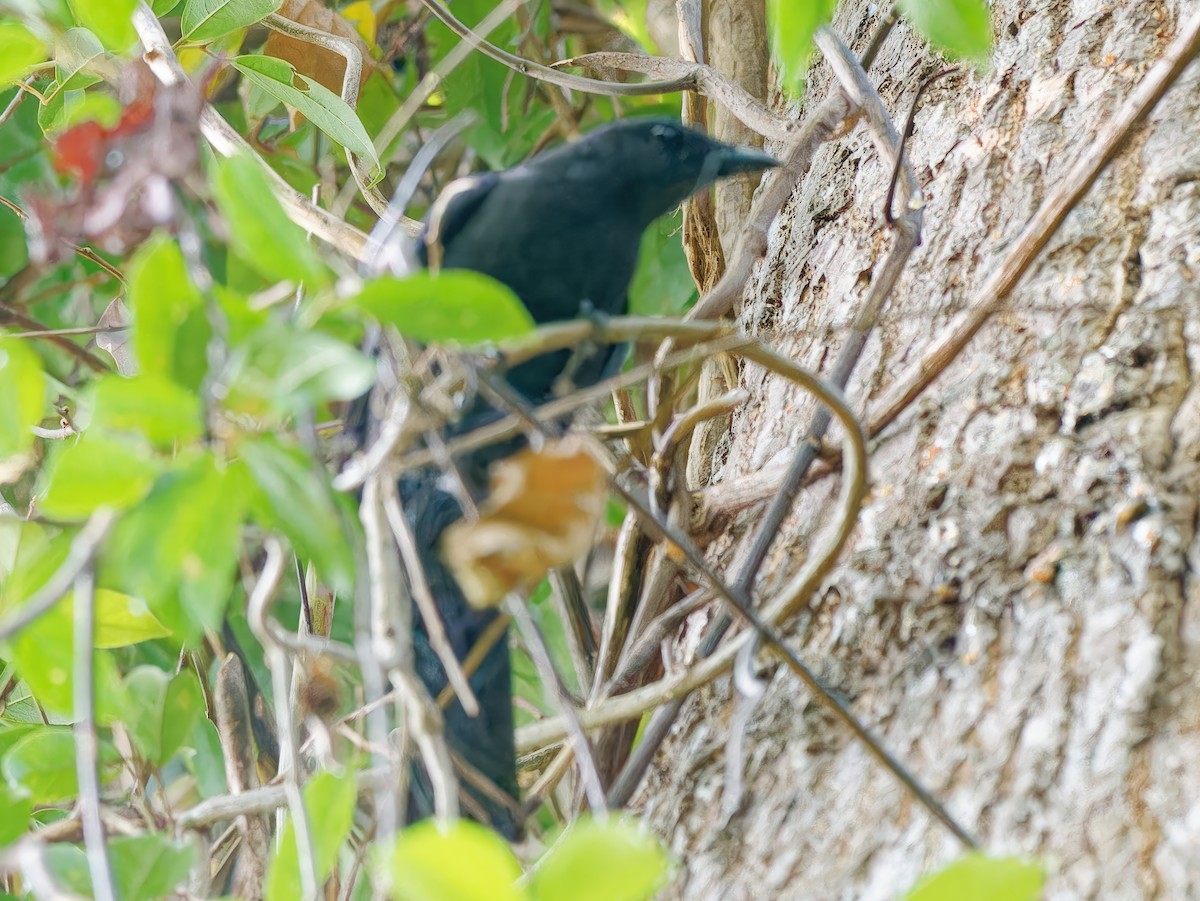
column 86, row 744
column 82, row 354
column 909, row 121
column 745, row 107
column 1026, row 247
column 79, row 557
column 423, row 596
column 277, row 663
column 553, row 76
column 590, row 776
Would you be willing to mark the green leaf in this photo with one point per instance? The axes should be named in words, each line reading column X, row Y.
column 22, row 402
column 14, row 253
column 149, row 406
column 146, row 867
column 17, row 809
column 296, row 499
column 960, row 28
column 20, row 50
column 983, row 878
column 293, row 370
column 618, row 860
column 95, row 471
column 161, row 711
column 449, row 306
column 110, row 20
column 325, row 109
column 75, row 58
column 203, row 758
column 259, row 230
column 170, row 331
column 207, row 20
column 461, row 862
column 41, row 766
column 329, row 807
column 122, row 620
column 792, row 26
column 178, row 549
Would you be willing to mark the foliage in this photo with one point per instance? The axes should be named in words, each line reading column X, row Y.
column 983, row 879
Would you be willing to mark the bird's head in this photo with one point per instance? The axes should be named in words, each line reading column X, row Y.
column 655, row 164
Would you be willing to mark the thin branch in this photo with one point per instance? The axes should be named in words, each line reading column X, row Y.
column 553, row 76
column 87, row 750
column 275, row 656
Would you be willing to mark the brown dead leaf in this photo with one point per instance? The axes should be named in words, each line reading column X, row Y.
column 322, row 65
column 543, row 512
column 116, row 316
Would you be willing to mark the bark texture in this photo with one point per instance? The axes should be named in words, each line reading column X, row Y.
column 1018, row 615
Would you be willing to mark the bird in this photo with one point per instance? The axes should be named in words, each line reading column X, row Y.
column 562, row 231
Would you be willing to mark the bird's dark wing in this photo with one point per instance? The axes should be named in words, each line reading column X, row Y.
column 450, row 212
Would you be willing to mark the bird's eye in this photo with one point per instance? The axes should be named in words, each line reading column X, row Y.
column 668, row 137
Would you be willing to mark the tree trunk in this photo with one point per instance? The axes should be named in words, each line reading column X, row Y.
column 1017, row 615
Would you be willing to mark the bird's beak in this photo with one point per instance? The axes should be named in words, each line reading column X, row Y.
column 735, row 160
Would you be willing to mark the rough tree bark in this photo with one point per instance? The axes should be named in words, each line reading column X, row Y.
column 1018, row 615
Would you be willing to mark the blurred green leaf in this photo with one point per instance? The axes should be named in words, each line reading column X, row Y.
column 983, row 878
column 20, row 50
column 204, row 760
column 149, row 406
column 792, row 26
column 662, row 284
column 41, row 766
column 178, row 549
column 22, row 402
column 325, row 109
column 463, row 861
column 170, row 331
column 122, row 620
column 161, row 711
column 110, row 20
column 16, row 808
column 14, row 254
column 457, row 306
column 329, row 806
column 960, row 28
column 295, row 498
column 94, row 470
column 148, row 867
column 258, row 228
column 207, row 20
column 292, row 370
column 618, row 860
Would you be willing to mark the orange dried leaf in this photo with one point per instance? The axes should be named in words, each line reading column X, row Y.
column 542, row 513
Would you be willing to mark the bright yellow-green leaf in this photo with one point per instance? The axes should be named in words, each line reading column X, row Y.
column 41, row 766
column 170, row 331
column 456, row 306
column 148, row 405
column 110, row 20
column 207, row 20
column 329, row 806
column 792, row 25
column 123, row 620
column 94, row 471
column 259, row 230
column 461, row 862
column 983, row 878
column 962, row 29
column 20, row 50
column 618, row 860
column 22, row 402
